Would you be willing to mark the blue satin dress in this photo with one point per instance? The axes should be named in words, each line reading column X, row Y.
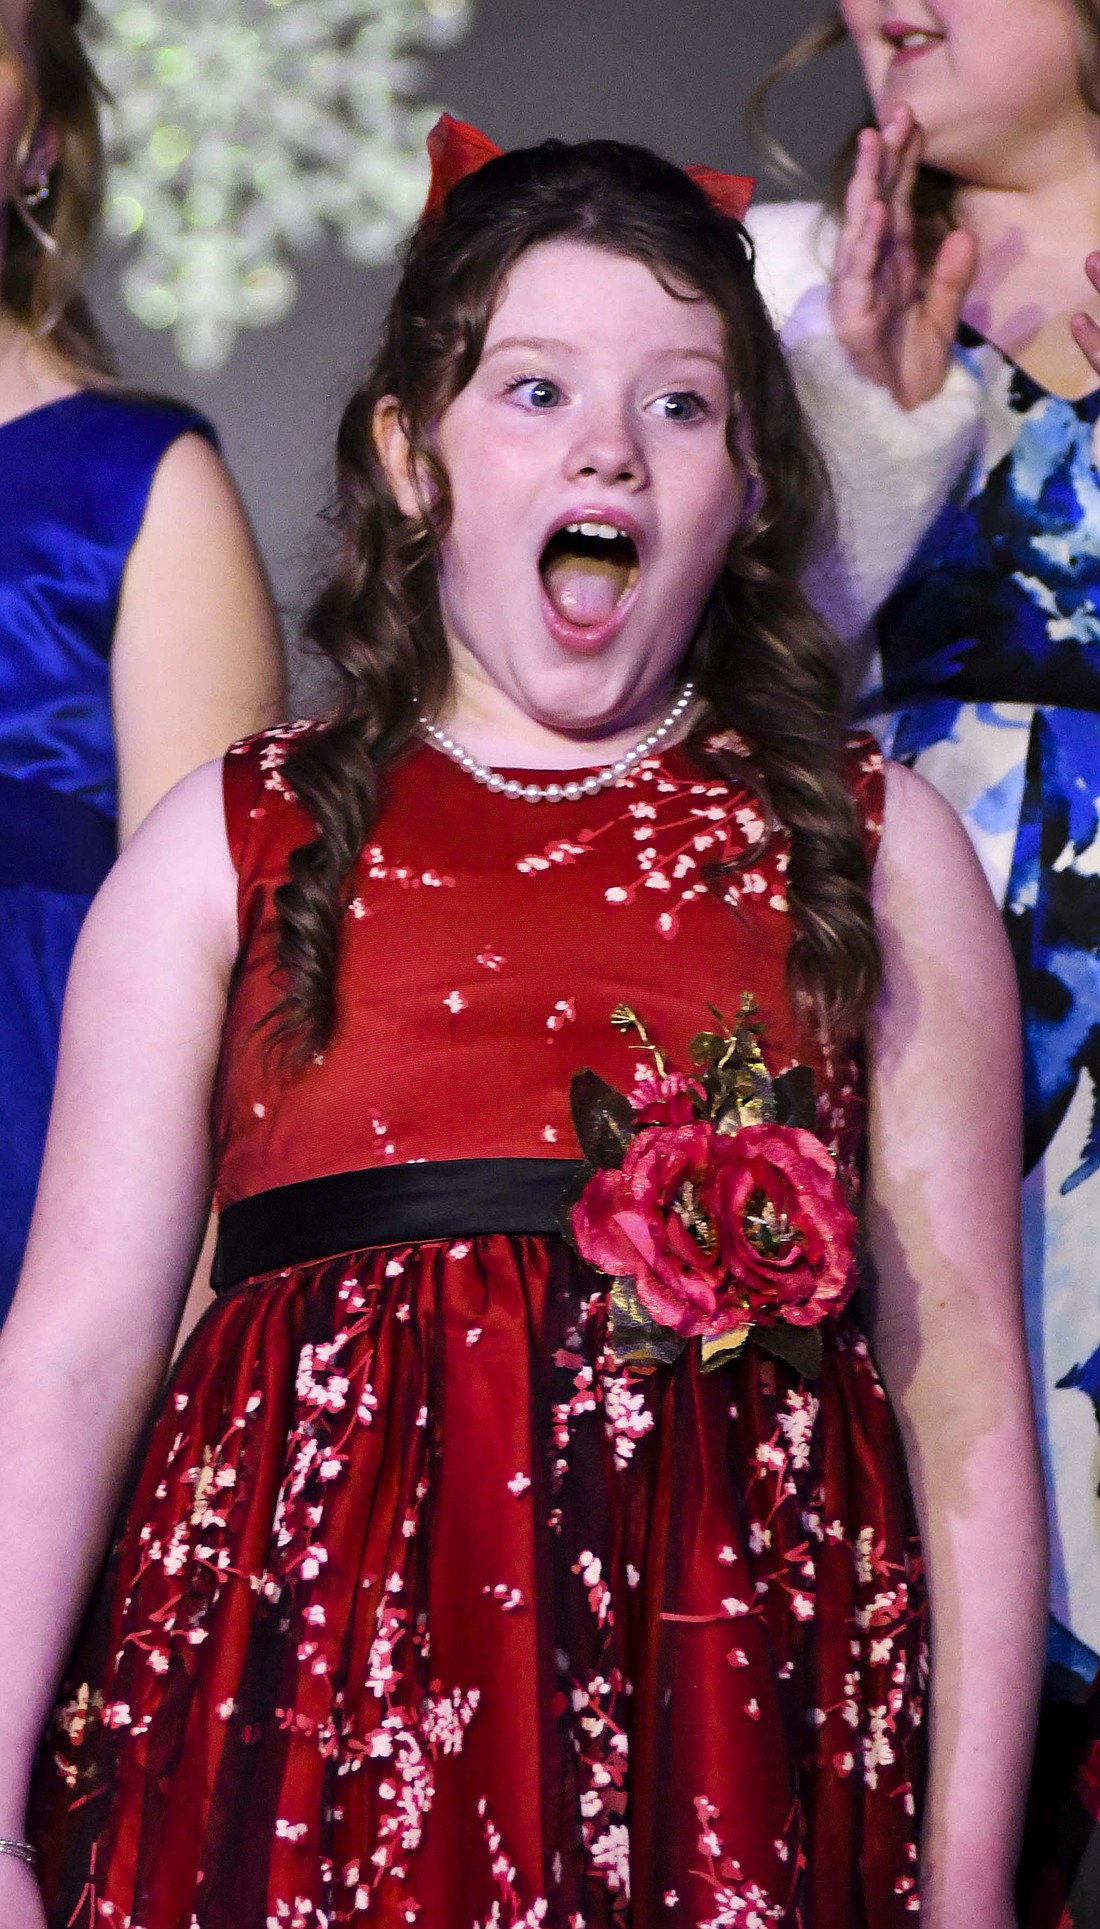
column 75, row 477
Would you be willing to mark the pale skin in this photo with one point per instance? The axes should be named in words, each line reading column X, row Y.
column 196, row 659
column 122, row 1206
column 990, row 93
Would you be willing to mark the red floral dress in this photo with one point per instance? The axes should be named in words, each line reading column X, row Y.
column 423, row 1610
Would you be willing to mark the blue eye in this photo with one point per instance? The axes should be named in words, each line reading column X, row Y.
column 682, row 406
column 536, row 391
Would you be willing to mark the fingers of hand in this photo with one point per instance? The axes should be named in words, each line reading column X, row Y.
column 861, row 194
column 865, row 254
column 942, row 302
column 1092, row 269
column 856, row 295
column 898, row 126
column 897, row 139
column 864, row 184
column 952, row 273
column 905, row 180
column 1086, row 333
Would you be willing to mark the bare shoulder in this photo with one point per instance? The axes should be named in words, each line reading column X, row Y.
column 176, row 874
column 197, row 660
column 195, row 537
column 192, row 480
column 193, row 500
column 925, row 848
column 917, row 816
column 940, row 931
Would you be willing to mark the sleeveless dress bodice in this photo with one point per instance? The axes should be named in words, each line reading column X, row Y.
column 74, row 482
column 474, row 985
column 987, row 681
column 427, row 1607
column 75, row 477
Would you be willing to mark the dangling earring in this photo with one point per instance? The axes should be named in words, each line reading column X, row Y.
column 24, row 205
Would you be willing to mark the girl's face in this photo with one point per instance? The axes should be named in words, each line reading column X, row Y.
column 994, row 83
column 594, row 496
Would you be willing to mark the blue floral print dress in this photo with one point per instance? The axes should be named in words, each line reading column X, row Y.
column 987, row 681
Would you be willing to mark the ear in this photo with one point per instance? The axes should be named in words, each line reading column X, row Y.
column 754, row 497
column 395, row 454
column 743, row 455
column 41, row 151
column 33, row 175
column 47, row 147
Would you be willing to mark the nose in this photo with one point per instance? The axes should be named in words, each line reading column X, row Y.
column 606, row 447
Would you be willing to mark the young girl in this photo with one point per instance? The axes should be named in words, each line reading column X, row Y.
column 971, row 523
column 122, row 666
column 525, row 1536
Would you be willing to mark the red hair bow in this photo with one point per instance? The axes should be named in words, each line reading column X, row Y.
column 456, row 149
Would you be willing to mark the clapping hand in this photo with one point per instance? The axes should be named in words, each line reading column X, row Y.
column 898, row 323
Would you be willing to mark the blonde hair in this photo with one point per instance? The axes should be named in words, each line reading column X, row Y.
column 935, row 191
column 46, row 247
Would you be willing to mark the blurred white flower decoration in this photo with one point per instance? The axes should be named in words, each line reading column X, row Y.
column 242, row 130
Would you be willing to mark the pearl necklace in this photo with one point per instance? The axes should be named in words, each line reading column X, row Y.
column 571, row 792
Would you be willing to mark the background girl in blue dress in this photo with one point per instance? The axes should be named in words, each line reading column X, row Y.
column 137, row 636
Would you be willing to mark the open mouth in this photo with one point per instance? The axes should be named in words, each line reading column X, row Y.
column 910, row 40
column 587, row 569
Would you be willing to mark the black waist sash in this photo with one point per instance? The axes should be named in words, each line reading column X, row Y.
column 385, row 1206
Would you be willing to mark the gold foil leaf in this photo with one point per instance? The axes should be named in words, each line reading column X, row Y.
column 724, row 1347
column 633, row 1338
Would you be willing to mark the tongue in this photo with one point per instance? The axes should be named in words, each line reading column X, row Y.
column 584, row 590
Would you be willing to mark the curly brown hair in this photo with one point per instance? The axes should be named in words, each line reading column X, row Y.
column 934, row 193
column 764, row 663
column 46, row 248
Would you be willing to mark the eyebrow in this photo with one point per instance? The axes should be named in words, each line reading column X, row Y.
column 541, row 342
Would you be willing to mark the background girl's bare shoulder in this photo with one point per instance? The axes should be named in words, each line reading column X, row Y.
column 197, row 659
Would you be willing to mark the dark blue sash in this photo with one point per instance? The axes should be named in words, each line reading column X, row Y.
column 54, row 841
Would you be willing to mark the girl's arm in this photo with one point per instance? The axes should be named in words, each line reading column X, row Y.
column 943, row 1219
column 196, row 660
column 121, row 1208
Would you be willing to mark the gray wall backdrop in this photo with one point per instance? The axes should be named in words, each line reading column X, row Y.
column 671, row 73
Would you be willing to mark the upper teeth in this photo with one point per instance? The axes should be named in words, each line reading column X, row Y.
column 608, row 530
column 919, row 37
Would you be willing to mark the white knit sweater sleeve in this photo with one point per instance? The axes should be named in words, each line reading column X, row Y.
column 892, row 469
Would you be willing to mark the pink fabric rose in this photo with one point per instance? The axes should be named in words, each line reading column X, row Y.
column 644, row 1221
column 669, row 1098
column 719, row 1231
column 786, row 1231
